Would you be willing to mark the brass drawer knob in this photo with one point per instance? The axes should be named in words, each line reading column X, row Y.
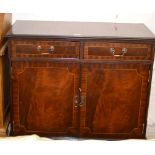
column 76, row 101
column 123, row 51
column 112, row 50
column 39, row 48
column 51, row 49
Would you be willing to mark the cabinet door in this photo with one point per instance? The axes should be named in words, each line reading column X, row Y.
column 43, row 96
column 114, row 100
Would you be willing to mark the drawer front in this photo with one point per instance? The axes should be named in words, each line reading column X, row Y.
column 125, row 51
column 51, row 49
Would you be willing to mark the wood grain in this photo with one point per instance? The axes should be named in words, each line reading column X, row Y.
column 82, row 89
column 101, row 50
column 28, row 48
column 48, row 106
column 115, row 99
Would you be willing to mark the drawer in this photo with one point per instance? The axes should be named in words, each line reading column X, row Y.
column 125, row 51
column 51, row 49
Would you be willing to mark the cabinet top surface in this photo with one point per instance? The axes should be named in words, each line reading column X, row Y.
column 59, row 29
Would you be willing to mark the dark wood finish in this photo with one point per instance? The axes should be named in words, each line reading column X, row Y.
column 83, row 89
column 102, row 51
column 115, row 97
column 48, row 106
column 29, row 48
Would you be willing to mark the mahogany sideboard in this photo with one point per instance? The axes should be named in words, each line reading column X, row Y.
column 80, row 79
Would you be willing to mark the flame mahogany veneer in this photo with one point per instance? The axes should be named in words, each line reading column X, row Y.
column 80, row 79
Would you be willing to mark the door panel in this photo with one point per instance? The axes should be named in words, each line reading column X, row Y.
column 116, row 97
column 43, row 97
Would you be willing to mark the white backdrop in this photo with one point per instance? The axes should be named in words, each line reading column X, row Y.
column 129, row 11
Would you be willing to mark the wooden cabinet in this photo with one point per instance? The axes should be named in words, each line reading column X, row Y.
column 80, row 85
